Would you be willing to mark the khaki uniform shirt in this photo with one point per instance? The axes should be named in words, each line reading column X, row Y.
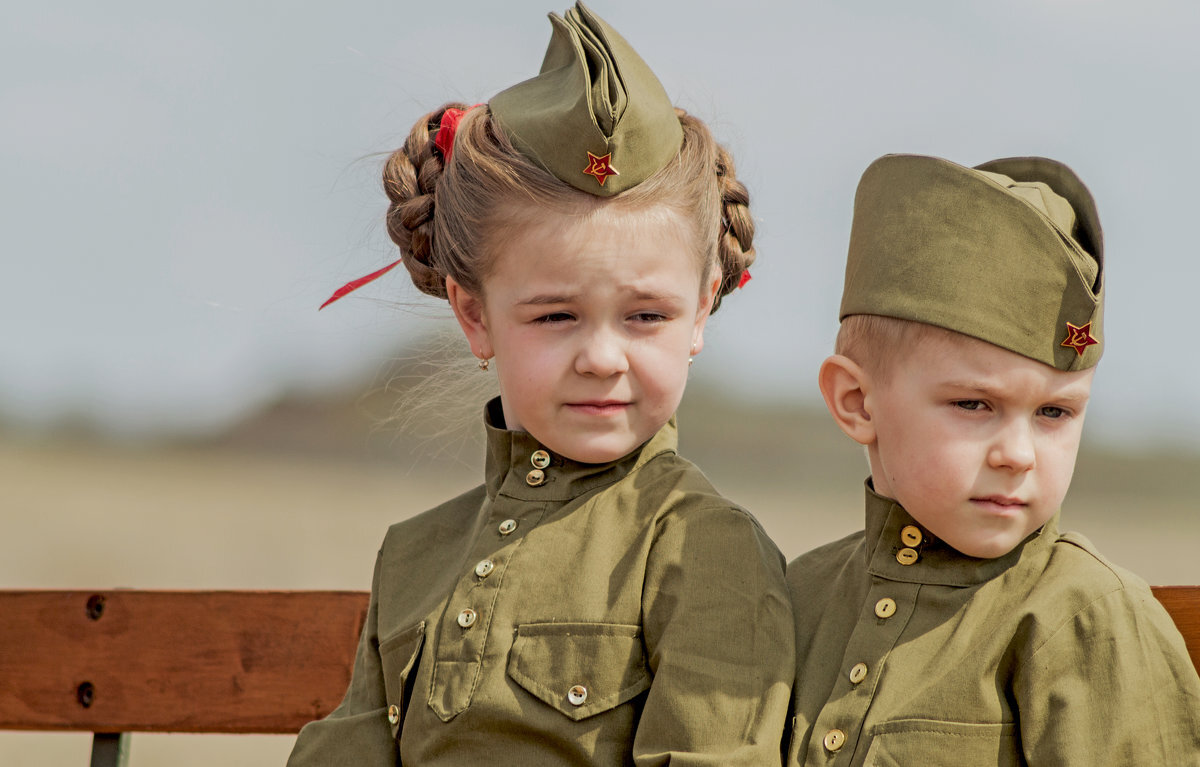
column 1048, row 655
column 611, row 614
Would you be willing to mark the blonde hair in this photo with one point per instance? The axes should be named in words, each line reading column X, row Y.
column 875, row 342
column 448, row 218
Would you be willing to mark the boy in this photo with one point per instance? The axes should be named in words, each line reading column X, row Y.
column 961, row 627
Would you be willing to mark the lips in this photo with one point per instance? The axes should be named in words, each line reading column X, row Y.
column 1000, row 504
column 599, row 407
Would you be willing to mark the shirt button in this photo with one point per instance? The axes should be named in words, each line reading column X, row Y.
column 886, row 607
column 834, row 739
column 535, row 478
column 393, row 714
column 507, row 526
column 484, row 568
column 577, row 695
column 858, row 672
column 540, row 459
column 466, row 618
column 910, row 535
column 906, row 556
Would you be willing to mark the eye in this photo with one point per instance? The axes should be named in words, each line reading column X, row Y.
column 1050, row 411
column 649, row 317
column 970, row 404
column 554, row 317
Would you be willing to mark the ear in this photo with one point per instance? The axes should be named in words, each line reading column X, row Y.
column 845, row 385
column 708, row 294
column 468, row 310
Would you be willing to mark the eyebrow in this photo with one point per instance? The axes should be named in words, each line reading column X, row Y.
column 988, row 391
column 544, row 299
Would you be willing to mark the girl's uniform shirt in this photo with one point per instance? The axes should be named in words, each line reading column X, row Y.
column 909, row 652
column 567, row 613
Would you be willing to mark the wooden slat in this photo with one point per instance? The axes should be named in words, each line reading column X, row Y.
column 172, row 661
column 1183, row 603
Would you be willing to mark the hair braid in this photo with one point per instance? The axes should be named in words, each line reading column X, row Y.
column 735, row 244
column 410, row 179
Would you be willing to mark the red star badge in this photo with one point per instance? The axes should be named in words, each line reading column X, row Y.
column 1079, row 338
column 600, row 167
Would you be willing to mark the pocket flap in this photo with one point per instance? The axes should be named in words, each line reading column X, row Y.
column 580, row 669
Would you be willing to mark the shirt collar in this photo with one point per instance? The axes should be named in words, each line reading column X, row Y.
column 511, row 454
column 888, row 533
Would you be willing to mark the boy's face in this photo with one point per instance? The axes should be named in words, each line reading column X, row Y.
column 976, row 442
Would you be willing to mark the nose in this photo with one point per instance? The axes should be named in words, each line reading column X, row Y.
column 1014, row 448
column 602, row 353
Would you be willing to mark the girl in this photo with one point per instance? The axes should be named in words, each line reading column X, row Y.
column 595, row 601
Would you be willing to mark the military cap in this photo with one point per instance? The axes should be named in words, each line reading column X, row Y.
column 596, row 116
column 1009, row 252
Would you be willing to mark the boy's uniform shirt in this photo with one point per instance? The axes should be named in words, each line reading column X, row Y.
column 911, row 653
column 566, row 613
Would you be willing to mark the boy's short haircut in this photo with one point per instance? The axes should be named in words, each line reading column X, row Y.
column 875, row 342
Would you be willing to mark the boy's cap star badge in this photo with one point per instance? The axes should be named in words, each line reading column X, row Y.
column 600, row 167
column 1079, row 338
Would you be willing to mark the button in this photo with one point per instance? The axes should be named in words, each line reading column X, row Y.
column 394, row 714
column 858, row 673
column 577, row 695
column 484, row 568
column 906, row 556
column 910, row 535
column 540, row 459
column 834, row 740
column 507, row 526
column 466, row 618
column 535, row 478
column 886, row 607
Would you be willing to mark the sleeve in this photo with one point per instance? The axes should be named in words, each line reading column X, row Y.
column 1112, row 686
column 717, row 622
column 356, row 733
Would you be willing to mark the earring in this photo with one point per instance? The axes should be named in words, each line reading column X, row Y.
column 692, row 356
column 484, row 363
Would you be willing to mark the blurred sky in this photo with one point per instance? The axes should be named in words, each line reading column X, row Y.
column 181, row 185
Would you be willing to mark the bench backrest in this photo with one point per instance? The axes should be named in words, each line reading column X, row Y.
column 213, row 661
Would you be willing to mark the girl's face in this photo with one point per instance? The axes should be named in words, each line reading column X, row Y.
column 591, row 320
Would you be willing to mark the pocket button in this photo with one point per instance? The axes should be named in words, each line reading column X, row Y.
column 577, row 695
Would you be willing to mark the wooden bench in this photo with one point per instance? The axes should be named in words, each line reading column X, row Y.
column 125, row 661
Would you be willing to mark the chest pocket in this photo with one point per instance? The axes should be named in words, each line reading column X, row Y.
column 933, row 743
column 579, row 669
column 399, row 654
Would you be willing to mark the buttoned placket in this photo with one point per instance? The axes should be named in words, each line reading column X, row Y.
column 467, row 619
column 884, row 613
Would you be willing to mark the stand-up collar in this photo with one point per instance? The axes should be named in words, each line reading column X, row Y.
column 893, row 537
column 513, row 456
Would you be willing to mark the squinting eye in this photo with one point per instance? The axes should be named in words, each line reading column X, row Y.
column 649, row 317
column 555, row 317
column 969, row 404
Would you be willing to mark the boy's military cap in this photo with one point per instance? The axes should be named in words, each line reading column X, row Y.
column 1009, row 252
column 596, row 117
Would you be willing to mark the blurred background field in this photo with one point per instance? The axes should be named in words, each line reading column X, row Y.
column 298, row 497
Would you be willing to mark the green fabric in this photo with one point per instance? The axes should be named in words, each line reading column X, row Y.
column 634, row 579
column 1009, row 252
column 1048, row 655
column 594, row 94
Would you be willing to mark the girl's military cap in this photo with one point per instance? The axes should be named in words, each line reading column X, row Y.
column 596, row 116
column 1010, row 252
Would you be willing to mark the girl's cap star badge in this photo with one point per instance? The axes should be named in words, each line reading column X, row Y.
column 600, row 167
column 1079, row 338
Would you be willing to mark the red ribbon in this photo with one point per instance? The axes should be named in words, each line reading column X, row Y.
column 354, row 285
column 447, row 128
column 744, row 278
